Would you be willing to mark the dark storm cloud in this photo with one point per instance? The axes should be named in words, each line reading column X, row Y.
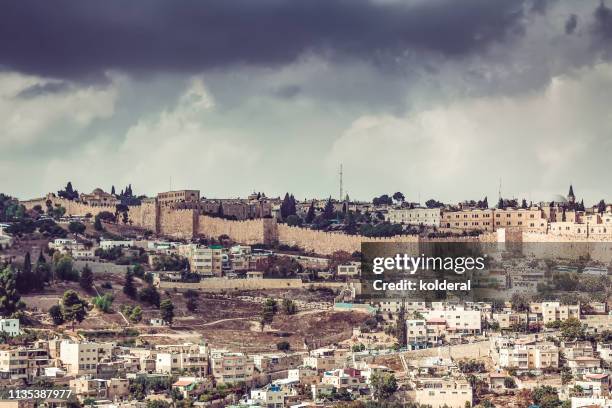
column 48, row 88
column 571, row 23
column 540, row 6
column 76, row 39
column 603, row 23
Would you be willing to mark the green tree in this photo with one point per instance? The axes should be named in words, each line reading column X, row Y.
column 149, row 295
column 98, row 224
column 68, row 192
column 509, row 382
column 166, row 310
column 328, row 210
column 294, row 221
column 310, row 215
column 571, row 329
column 104, row 302
column 76, row 227
column 64, row 269
column 25, row 278
column 399, row 197
column 55, row 312
column 546, row 397
column 519, row 303
column 191, row 304
column 128, row 287
column 400, row 327
column 268, row 310
column 136, row 314
column 86, row 279
column 383, row 385
column 289, row 307
column 42, row 272
column 74, row 309
column 10, row 300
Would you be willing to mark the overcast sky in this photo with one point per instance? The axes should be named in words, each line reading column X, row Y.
column 437, row 99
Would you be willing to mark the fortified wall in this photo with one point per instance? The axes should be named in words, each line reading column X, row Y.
column 258, row 231
column 189, row 223
column 72, row 207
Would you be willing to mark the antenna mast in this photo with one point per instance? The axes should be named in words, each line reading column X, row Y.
column 340, row 198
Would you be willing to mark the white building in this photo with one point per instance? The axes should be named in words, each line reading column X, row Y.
column 429, row 217
column 458, row 320
column 271, row 396
column 83, row 357
column 10, row 327
column 107, row 244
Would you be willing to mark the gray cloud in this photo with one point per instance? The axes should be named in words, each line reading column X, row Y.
column 603, row 22
column 73, row 39
column 571, row 23
column 47, row 88
column 287, row 91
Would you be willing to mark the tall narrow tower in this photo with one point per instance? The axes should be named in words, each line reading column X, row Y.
column 340, row 198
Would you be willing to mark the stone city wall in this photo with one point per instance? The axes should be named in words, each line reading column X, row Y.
column 72, row 207
column 144, row 215
column 222, row 284
column 177, row 223
column 327, row 243
column 246, row 232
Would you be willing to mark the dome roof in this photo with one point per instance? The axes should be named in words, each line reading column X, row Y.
column 97, row 191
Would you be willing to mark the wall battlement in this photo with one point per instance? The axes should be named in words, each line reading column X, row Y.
column 189, row 223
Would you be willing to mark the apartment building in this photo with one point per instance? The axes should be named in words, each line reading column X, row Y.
column 178, row 358
column 605, row 351
column 170, row 198
column 552, row 311
column 429, row 217
column 82, row 358
column 240, row 258
column 268, row 363
column 507, row 320
column 205, row 261
column 421, row 333
column 596, row 384
column 527, row 219
column 443, row 392
column 416, row 334
column 458, row 320
column 344, row 378
column 303, row 375
column 23, row 363
column 323, row 359
column 529, row 356
column 349, row 270
column 111, row 389
column 229, row 368
column 469, row 220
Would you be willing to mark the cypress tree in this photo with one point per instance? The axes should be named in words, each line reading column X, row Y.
column 86, row 279
column 328, row 211
column 128, row 287
column 310, row 215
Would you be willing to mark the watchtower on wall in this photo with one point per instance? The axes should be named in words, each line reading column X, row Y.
column 270, row 231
